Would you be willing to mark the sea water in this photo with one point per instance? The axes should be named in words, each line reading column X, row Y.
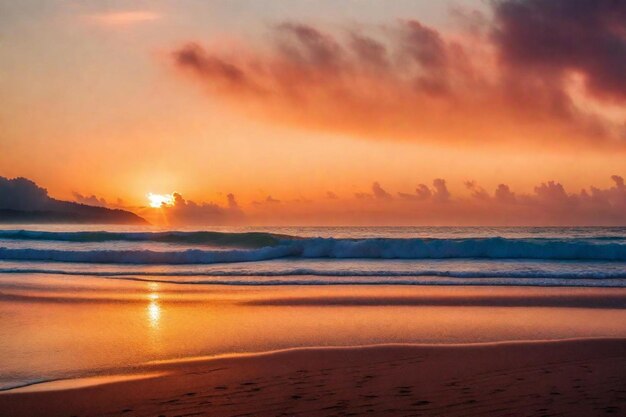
column 338, row 255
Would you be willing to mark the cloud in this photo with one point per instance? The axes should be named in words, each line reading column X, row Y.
column 549, row 203
column 478, row 192
column 423, row 192
column 441, row 193
column 331, row 196
column 123, row 18
column 91, row 200
column 407, row 196
column 22, row 194
column 552, row 192
column 363, row 196
column 607, row 198
column 227, row 77
column 380, row 193
column 504, row 194
column 561, row 36
column 232, row 202
column 409, row 81
column 184, row 211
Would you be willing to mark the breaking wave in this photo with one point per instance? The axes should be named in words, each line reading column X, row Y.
column 250, row 247
column 374, row 273
column 242, row 239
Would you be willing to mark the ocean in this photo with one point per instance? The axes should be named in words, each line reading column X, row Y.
column 324, row 255
column 84, row 301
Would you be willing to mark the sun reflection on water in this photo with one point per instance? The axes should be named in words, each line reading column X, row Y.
column 154, row 313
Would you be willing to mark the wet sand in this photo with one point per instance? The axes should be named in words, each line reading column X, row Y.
column 558, row 378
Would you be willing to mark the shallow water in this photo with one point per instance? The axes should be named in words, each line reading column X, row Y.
column 61, row 327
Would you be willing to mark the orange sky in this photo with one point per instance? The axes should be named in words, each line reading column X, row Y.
column 258, row 99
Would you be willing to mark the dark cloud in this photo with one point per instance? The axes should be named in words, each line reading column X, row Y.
column 22, row 194
column 331, row 196
column 561, row 36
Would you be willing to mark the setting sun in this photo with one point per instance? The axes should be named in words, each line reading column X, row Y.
column 159, row 200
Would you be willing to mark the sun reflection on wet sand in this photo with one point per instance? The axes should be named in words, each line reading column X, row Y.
column 154, row 313
column 154, row 308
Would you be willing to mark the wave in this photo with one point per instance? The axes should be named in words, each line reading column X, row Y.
column 310, row 272
column 241, row 239
column 331, row 248
column 146, row 257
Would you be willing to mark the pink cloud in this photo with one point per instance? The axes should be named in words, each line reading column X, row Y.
column 508, row 84
column 123, row 18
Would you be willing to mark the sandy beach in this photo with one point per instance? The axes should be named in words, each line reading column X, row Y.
column 563, row 378
column 109, row 347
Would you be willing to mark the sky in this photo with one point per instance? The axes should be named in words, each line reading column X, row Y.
column 320, row 111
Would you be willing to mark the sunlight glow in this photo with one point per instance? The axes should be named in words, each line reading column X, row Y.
column 160, row 200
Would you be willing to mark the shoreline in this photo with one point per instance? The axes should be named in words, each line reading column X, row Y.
column 358, row 280
column 160, row 367
column 404, row 370
column 48, row 288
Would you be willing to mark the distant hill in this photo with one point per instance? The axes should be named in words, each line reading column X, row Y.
column 23, row 201
column 83, row 214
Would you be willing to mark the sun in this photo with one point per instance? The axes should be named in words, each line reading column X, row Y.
column 159, row 200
